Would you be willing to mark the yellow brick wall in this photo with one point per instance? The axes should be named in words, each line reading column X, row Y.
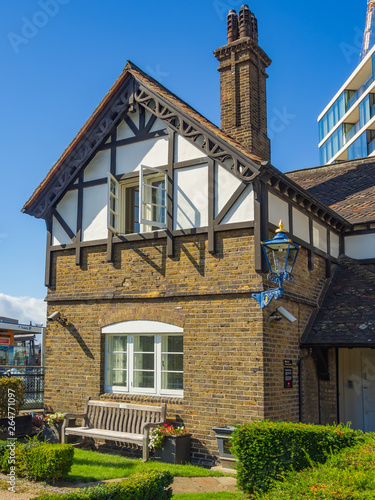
column 233, row 357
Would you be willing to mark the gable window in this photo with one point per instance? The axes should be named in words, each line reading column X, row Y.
column 144, row 363
column 138, row 205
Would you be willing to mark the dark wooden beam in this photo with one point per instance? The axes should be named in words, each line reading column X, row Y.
column 235, row 226
column 258, row 226
column 138, row 138
column 290, row 216
column 211, row 206
column 142, row 118
column 79, row 221
column 311, row 251
column 150, row 123
column 47, row 279
column 328, row 261
column 131, row 125
column 229, row 204
column 86, row 184
column 191, row 163
column 112, row 169
column 170, row 193
column 63, row 224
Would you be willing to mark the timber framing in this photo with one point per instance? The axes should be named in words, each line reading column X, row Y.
column 278, row 182
column 95, row 138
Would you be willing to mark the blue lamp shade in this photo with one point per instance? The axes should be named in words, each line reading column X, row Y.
column 281, row 253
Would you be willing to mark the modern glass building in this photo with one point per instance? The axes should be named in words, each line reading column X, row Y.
column 347, row 124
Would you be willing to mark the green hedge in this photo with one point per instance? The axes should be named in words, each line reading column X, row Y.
column 267, row 451
column 348, row 475
column 151, row 485
column 38, row 460
column 12, row 394
column 49, row 461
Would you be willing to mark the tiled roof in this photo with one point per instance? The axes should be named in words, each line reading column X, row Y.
column 347, row 313
column 132, row 70
column 348, row 188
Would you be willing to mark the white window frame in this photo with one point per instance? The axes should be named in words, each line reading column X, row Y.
column 144, row 182
column 131, row 329
column 145, row 204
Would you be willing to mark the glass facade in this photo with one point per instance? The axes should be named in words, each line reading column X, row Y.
column 359, row 147
column 366, row 111
column 332, row 145
column 346, row 131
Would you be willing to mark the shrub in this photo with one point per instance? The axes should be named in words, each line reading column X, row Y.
column 11, row 388
column 267, row 451
column 347, row 475
column 151, row 485
column 38, row 460
column 48, row 461
column 14, row 456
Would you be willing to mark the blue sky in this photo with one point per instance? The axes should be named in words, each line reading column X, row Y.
column 60, row 57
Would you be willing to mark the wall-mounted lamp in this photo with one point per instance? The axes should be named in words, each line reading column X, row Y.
column 281, row 254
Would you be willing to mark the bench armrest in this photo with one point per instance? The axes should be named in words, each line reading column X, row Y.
column 146, row 432
column 67, row 417
column 148, row 425
column 71, row 416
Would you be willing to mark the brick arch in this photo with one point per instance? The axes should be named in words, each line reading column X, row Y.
column 143, row 313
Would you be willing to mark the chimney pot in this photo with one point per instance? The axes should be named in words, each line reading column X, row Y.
column 248, row 25
column 232, row 26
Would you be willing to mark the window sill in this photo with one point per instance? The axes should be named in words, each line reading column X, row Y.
column 142, row 398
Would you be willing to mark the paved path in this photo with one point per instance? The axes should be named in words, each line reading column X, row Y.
column 28, row 491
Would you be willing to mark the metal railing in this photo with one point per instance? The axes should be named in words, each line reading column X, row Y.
column 33, row 378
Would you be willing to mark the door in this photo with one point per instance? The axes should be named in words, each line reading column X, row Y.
column 357, row 388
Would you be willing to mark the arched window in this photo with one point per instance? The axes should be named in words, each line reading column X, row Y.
column 144, row 357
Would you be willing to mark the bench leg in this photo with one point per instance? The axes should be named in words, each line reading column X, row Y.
column 145, row 448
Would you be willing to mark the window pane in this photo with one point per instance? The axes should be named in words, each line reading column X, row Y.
column 173, row 362
column 172, row 343
column 117, row 377
column 117, row 360
column 113, row 204
column 143, row 361
column 113, row 220
column 144, row 343
column 119, row 343
column 172, row 381
column 144, row 380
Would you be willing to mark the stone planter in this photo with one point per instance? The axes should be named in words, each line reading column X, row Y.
column 223, row 435
column 176, row 450
column 23, row 426
column 52, row 432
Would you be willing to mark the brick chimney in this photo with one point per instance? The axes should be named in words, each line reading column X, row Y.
column 243, row 84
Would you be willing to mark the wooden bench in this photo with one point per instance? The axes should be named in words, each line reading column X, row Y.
column 122, row 422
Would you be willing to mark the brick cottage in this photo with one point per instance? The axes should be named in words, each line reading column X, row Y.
column 155, row 219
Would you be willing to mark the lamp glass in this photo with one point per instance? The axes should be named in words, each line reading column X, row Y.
column 292, row 255
column 277, row 257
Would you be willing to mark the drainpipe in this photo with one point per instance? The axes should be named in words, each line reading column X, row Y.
column 299, row 363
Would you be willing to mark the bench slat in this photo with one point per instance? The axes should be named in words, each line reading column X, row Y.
column 111, row 404
column 116, row 421
column 110, row 435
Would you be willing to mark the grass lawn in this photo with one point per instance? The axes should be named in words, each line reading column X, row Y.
column 94, row 466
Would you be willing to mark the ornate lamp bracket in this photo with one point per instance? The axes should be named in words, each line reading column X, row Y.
column 264, row 298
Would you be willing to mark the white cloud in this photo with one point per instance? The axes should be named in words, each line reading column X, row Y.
column 25, row 309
